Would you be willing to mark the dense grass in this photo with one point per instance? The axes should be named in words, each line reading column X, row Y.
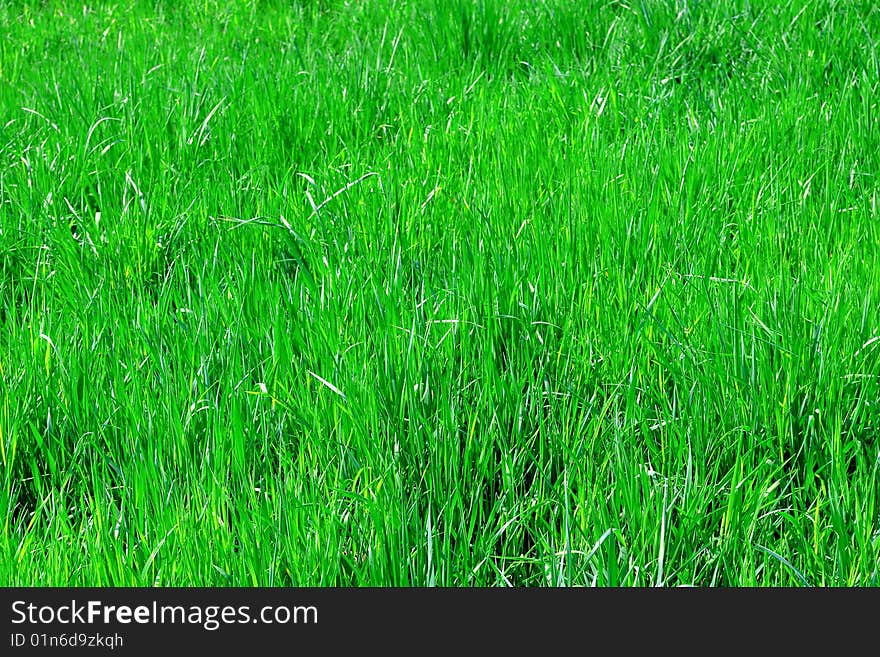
column 449, row 292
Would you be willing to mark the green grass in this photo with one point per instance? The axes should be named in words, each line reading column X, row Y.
column 448, row 292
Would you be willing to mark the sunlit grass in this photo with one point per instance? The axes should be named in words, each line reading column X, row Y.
column 441, row 292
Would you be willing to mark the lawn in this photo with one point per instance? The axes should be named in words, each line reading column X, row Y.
column 439, row 292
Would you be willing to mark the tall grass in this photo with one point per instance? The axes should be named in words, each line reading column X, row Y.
column 439, row 293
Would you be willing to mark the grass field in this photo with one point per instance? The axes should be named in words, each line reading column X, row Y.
column 439, row 292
